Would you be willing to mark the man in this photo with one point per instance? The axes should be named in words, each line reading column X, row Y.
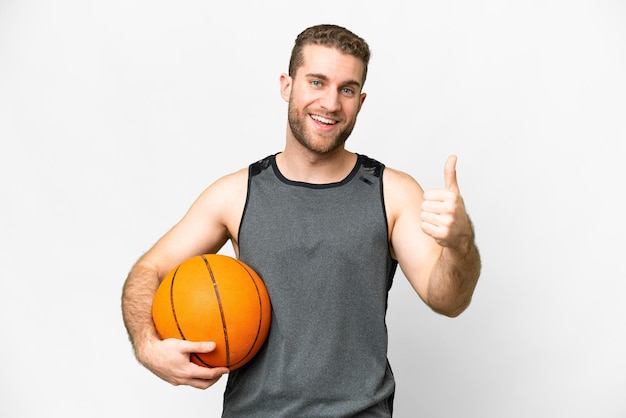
column 318, row 226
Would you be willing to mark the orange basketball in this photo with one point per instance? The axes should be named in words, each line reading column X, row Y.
column 214, row 297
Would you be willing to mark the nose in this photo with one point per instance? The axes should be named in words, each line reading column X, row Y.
column 330, row 100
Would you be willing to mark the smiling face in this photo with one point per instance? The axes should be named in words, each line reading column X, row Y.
column 324, row 98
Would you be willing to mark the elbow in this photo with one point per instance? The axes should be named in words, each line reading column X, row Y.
column 452, row 313
column 452, row 310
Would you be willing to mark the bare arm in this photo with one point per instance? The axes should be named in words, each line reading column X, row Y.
column 454, row 277
column 210, row 222
column 433, row 239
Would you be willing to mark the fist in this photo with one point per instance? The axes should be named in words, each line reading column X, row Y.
column 443, row 211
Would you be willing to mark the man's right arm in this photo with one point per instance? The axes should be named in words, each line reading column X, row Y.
column 205, row 228
column 168, row 359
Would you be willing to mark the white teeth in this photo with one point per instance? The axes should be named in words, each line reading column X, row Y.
column 323, row 119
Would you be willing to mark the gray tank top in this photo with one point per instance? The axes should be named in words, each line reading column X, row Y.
column 323, row 253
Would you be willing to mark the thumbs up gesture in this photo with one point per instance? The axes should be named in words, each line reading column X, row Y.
column 443, row 212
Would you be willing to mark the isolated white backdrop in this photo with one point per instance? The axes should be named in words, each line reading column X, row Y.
column 115, row 115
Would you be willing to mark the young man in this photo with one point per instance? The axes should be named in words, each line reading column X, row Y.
column 325, row 228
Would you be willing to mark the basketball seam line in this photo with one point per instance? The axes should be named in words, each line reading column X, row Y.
column 180, row 330
column 221, row 309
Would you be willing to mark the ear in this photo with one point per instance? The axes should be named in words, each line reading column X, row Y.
column 362, row 99
column 285, row 86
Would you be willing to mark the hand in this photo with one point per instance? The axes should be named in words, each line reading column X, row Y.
column 443, row 212
column 169, row 359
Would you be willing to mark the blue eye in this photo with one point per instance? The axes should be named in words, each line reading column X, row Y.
column 347, row 90
column 316, row 83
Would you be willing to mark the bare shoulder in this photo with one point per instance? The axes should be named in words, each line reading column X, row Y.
column 393, row 176
column 214, row 216
column 400, row 189
column 231, row 184
column 226, row 196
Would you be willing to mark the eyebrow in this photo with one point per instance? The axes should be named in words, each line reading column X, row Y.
column 325, row 78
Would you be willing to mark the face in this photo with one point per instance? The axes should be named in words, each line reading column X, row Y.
column 324, row 98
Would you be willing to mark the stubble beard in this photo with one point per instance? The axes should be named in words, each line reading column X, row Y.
column 297, row 124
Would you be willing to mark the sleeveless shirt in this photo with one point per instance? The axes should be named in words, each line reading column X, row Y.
column 322, row 251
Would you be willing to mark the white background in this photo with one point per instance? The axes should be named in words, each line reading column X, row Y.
column 114, row 115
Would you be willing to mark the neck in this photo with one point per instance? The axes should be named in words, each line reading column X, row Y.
column 298, row 164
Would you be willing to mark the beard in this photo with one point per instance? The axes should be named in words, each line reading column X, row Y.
column 297, row 123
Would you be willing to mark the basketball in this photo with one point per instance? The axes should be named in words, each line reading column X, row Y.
column 218, row 298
